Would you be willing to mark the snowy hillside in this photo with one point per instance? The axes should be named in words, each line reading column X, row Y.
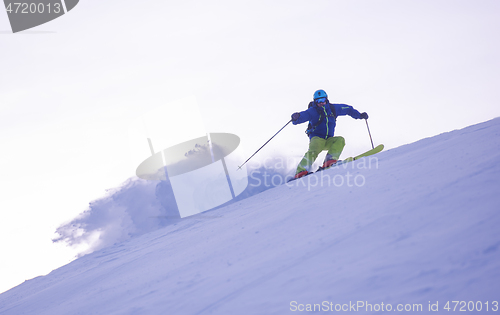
column 418, row 226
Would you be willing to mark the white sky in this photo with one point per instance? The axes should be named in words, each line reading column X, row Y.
column 69, row 90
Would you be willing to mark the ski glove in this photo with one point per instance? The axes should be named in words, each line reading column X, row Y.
column 363, row 116
column 295, row 116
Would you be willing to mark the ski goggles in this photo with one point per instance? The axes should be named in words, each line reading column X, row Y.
column 320, row 100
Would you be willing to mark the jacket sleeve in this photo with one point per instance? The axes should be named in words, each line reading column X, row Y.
column 344, row 109
column 304, row 116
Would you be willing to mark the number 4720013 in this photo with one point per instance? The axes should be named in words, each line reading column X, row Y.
column 34, row 8
column 463, row 306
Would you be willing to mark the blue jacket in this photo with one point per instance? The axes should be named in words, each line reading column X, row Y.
column 327, row 127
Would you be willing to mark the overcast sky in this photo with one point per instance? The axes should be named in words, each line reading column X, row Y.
column 71, row 88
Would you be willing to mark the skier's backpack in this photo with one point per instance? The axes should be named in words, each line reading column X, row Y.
column 311, row 127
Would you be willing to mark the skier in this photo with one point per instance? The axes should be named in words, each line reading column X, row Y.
column 322, row 118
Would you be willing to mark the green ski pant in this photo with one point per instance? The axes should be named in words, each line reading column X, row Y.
column 334, row 146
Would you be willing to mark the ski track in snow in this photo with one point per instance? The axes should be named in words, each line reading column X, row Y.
column 424, row 227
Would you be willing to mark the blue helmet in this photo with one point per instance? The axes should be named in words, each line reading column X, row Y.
column 320, row 94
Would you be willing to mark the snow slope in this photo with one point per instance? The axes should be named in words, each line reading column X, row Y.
column 420, row 226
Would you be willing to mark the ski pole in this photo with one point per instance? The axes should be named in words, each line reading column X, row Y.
column 239, row 167
column 366, row 120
